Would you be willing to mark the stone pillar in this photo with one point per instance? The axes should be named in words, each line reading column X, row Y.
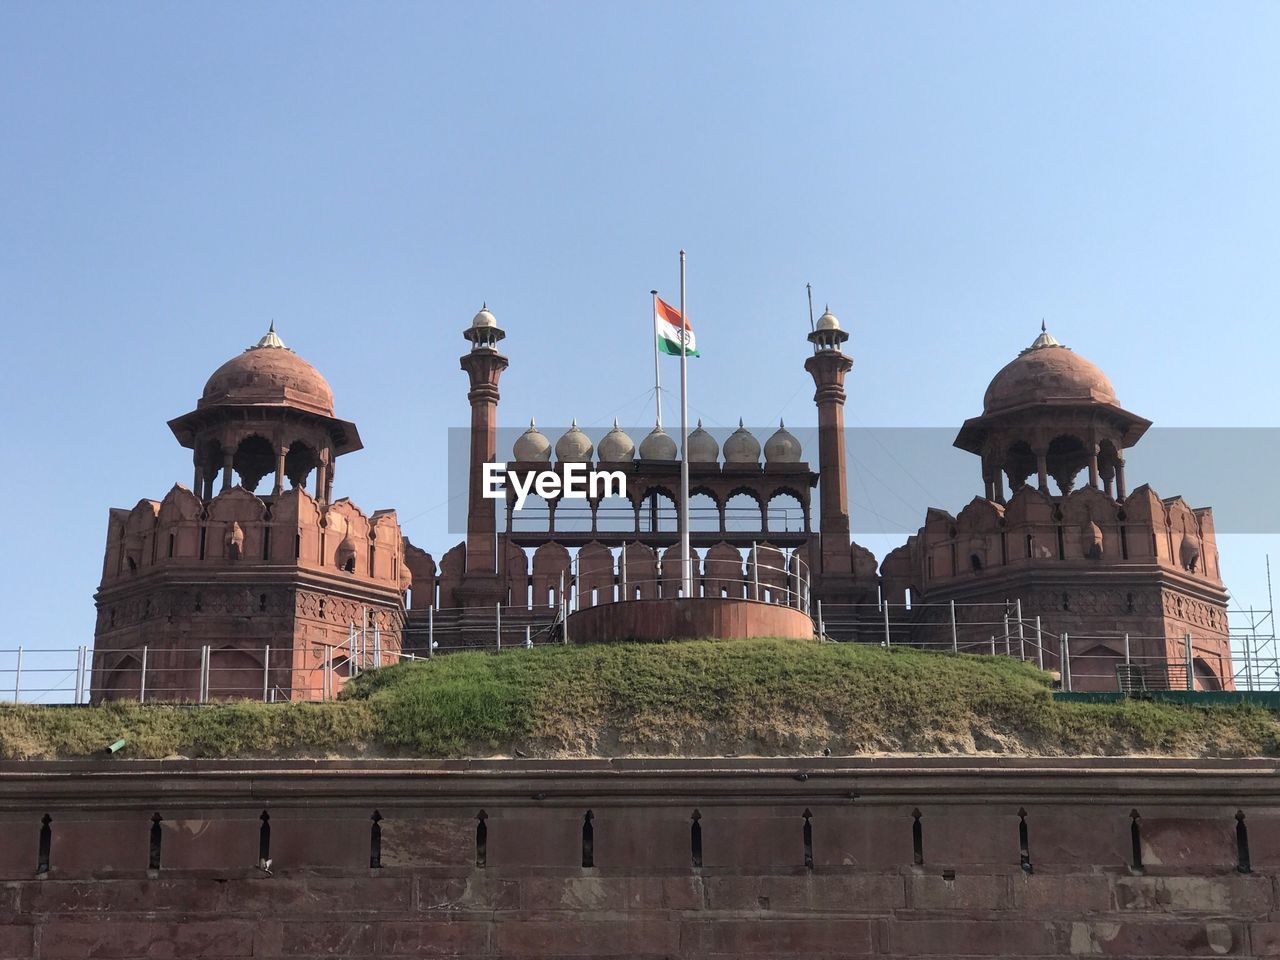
column 197, row 485
column 483, row 366
column 828, row 368
column 1042, row 470
column 1121, row 492
column 226, row 471
column 1093, row 465
column 279, row 485
column 322, row 481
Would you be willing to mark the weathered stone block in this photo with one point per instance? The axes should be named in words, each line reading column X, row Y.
column 1237, row 896
column 433, row 938
column 124, row 939
column 1166, row 938
column 587, row 938
column 478, row 892
column 985, row 938
column 966, row 892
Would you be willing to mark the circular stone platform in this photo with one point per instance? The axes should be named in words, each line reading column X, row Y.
column 721, row 618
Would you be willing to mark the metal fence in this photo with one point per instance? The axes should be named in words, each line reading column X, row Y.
column 80, row 675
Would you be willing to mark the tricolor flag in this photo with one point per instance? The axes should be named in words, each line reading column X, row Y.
column 670, row 326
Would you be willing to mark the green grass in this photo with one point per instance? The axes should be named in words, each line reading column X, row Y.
column 763, row 697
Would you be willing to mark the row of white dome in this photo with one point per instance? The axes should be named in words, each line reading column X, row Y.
column 616, row 447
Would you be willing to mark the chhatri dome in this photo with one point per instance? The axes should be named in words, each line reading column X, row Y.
column 702, row 446
column 1047, row 372
column 616, row 446
column 269, row 373
column 742, row 446
column 532, row 445
column 657, row 445
column 574, row 447
column 782, row 447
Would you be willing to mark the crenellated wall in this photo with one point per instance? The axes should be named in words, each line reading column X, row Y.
column 239, row 573
column 1090, row 566
column 782, row 859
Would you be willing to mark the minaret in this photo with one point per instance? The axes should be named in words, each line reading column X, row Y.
column 484, row 365
column 828, row 365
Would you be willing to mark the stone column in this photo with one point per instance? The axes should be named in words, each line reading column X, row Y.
column 1121, row 492
column 828, row 368
column 483, row 368
column 1042, row 470
column 1093, row 465
column 226, row 471
column 279, row 485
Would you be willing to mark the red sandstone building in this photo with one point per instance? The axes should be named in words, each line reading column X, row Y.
column 227, row 566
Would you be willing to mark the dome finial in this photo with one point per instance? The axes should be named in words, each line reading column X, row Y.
column 270, row 338
column 1045, row 339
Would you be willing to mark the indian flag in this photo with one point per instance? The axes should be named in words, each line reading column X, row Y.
column 671, row 328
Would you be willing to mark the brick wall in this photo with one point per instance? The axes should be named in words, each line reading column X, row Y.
column 859, row 882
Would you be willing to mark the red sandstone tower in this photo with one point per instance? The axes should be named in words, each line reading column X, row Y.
column 834, row 574
column 239, row 571
column 480, row 585
column 1122, row 574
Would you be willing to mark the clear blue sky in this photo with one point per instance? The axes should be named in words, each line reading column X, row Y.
column 175, row 176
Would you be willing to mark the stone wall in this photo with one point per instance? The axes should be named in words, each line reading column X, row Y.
column 783, row 859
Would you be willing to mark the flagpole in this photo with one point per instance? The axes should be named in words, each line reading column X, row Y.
column 686, row 560
column 657, row 379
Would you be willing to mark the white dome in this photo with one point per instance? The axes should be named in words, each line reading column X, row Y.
column 828, row 320
column 742, row 447
column 703, row 447
column 657, row 446
column 574, row 447
column 531, row 445
column 484, row 318
column 782, row 447
column 616, row 446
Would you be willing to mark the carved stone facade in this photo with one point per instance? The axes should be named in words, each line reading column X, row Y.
column 241, row 572
column 1092, row 562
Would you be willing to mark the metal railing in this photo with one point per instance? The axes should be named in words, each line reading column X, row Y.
column 752, row 577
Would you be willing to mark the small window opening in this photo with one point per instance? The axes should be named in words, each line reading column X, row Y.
column 46, row 844
column 171, row 546
column 588, row 841
column 917, row 838
column 375, row 842
column 695, row 838
column 153, row 862
column 808, row 839
column 1135, row 839
column 1243, row 862
column 1024, row 846
column 264, row 841
column 482, row 839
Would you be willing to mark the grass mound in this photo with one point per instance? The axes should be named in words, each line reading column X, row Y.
column 700, row 698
